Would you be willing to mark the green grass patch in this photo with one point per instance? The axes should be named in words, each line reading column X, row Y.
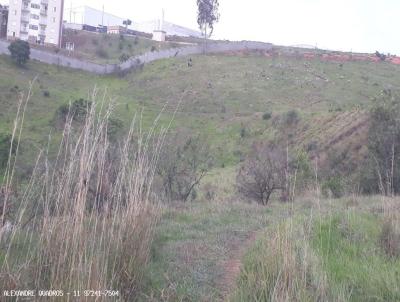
column 354, row 260
column 339, row 257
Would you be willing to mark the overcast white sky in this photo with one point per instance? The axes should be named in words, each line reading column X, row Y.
column 358, row 25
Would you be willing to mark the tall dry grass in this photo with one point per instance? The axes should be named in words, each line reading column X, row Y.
column 282, row 268
column 85, row 219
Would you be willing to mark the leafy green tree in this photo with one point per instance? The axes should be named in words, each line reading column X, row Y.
column 127, row 23
column 207, row 16
column 20, row 51
column 384, row 144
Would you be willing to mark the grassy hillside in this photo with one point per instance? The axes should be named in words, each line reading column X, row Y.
column 222, row 96
column 233, row 100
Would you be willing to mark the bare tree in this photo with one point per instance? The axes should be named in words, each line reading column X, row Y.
column 207, row 16
column 262, row 173
column 184, row 162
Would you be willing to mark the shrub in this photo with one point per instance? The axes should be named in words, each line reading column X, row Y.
column 210, row 191
column 333, row 187
column 381, row 56
column 266, row 116
column 124, row 57
column 102, row 53
column 115, row 126
column 77, row 110
column 46, row 93
column 183, row 163
column 20, row 51
column 383, row 163
column 243, row 132
column 312, row 146
column 292, row 118
column 5, row 147
column 262, row 173
column 153, row 48
column 390, row 238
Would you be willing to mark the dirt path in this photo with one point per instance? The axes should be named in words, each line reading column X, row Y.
column 231, row 267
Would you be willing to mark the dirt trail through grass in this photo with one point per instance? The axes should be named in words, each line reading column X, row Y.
column 198, row 250
column 231, row 267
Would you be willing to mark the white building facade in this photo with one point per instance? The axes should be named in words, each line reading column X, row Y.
column 89, row 16
column 36, row 21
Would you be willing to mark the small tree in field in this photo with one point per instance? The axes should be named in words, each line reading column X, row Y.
column 20, row 51
column 183, row 163
column 207, row 16
column 262, row 173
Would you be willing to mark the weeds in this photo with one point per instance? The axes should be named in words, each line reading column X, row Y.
column 282, row 268
column 85, row 220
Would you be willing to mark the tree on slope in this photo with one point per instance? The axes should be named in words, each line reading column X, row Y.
column 262, row 173
column 384, row 146
column 207, row 16
column 20, row 51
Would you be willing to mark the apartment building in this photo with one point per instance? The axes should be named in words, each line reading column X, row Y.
column 36, row 21
column 3, row 20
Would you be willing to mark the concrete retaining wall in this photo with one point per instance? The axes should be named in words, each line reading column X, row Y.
column 135, row 62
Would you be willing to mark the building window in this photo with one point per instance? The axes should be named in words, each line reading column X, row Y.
column 55, row 9
column 33, row 16
column 33, row 5
column 54, row 20
column 34, row 27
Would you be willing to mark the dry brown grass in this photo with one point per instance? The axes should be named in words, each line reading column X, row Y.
column 85, row 219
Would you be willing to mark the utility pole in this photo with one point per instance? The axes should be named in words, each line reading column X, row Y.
column 162, row 20
column 102, row 19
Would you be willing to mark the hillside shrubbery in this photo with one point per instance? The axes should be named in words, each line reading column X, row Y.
column 20, row 51
column 381, row 171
